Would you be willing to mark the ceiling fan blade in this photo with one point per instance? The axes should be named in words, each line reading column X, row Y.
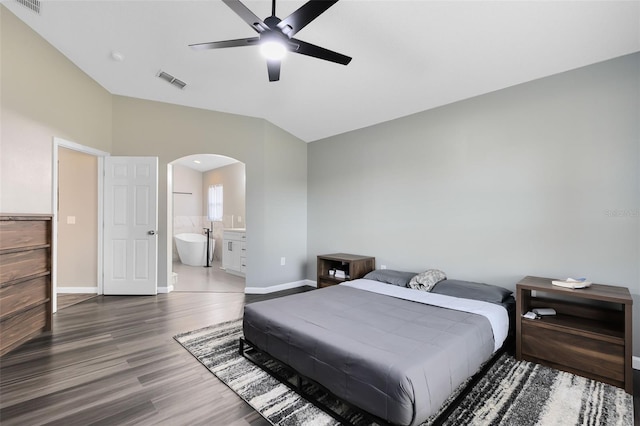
column 320, row 52
column 247, row 15
column 305, row 14
column 226, row 43
column 274, row 70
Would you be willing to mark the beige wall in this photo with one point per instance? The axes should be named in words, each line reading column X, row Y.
column 232, row 179
column 187, row 202
column 187, row 191
column 270, row 155
column 42, row 95
column 77, row 198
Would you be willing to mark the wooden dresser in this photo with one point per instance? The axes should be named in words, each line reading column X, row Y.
column 25, row 278
column 590, row 335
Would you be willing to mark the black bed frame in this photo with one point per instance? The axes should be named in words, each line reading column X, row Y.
column 247, row 349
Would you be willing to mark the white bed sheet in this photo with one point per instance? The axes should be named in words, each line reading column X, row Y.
column 496, row 314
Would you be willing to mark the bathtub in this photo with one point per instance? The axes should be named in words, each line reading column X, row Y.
column 192, row 248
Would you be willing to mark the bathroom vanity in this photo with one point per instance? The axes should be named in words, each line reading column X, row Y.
column 234, row 251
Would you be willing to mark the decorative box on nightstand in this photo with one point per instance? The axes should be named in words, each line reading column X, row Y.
column 590, row 335
column 353, row 266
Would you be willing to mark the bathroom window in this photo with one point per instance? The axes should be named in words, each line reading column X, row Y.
column 215, row 203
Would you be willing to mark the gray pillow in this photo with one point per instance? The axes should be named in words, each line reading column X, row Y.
column 425, row 281
column 389, row 276
column 471, row 290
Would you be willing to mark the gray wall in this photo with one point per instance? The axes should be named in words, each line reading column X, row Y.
column 518, row 182
column 285, row 216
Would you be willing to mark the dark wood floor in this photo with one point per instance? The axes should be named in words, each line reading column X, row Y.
column 69, row 299
column 112, row 360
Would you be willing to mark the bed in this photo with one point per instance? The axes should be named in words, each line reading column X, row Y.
column 391, row 351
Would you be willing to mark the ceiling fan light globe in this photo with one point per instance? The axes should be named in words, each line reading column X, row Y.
column 273, row 50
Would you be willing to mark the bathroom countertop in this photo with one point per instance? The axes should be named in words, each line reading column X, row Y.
column 236, row 229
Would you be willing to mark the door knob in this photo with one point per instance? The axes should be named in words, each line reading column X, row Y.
column 152, row 232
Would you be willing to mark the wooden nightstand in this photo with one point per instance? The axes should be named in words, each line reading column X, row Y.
column 354, row 266
column 590, row 335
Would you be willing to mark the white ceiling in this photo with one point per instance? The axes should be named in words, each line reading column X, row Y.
column 408, row 56
column 205, row 162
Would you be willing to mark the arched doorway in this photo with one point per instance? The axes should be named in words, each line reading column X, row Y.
column 207, row 195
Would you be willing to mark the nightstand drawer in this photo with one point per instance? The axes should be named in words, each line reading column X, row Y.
column 581, row 353
column 590, row 335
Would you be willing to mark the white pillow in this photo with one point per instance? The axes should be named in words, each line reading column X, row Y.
column 425, row 281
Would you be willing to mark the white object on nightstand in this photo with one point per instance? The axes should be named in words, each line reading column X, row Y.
column 572, row 283
column 544, row 311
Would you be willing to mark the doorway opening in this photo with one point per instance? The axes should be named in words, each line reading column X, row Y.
column 77, row 234
column 207, row 199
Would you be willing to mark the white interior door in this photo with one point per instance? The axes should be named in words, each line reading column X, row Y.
column 130, row 225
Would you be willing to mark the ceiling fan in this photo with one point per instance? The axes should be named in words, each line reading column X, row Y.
column 276, row 36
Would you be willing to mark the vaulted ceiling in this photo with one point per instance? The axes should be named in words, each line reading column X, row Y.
column 408, row 56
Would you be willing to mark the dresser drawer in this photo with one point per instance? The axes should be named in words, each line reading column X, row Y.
column 590, row 355
column 25, row 278
column 14, row 298
column 22, row 327
column 19, row 233
column 23, row 264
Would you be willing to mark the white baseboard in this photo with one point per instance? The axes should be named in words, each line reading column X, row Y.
column 85, row 290
column 94, row 290
column 635, row 362
column 278, row 287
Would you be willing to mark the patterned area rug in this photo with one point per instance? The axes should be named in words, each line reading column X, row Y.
column 523, row 393
column 511, row 393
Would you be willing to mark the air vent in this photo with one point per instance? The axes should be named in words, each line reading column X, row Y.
column 171, row 79
column 33, row 5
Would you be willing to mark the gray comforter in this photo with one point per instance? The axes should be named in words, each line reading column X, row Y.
column 396, row 359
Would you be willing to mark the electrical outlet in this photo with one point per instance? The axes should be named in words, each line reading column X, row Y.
column 71, row 220
column 383, row 266
column 283, row 260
